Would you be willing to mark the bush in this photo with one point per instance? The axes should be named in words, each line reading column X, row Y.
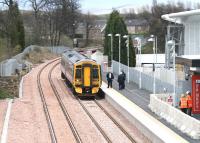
column 26, row 56
column 37, row 49
column 4, row 94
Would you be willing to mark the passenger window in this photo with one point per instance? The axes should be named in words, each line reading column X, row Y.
column 95, row 73
column 78, row 73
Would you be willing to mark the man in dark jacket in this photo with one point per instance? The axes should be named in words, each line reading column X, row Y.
column 109, row 77
column 124, row 78
column 120, row 80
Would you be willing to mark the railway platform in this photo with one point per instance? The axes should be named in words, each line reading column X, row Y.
column 141, row 98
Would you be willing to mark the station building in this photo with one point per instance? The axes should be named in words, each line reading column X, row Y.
column 187, row 47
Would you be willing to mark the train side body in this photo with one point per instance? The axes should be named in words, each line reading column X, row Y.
column 84, row 74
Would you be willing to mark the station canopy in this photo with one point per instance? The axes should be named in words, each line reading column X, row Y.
column 192, row 61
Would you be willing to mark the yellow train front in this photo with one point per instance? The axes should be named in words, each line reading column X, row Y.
column 82, row 73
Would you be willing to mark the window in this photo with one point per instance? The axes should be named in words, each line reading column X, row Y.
column 70, row 55
column 95, row 73
column 78, row 73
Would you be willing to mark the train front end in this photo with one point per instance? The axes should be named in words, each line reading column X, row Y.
column 87, row 78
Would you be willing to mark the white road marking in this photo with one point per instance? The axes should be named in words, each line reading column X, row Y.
column 6, row 122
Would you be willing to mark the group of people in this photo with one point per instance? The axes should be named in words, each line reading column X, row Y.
column 121, row 79
column 185, row 103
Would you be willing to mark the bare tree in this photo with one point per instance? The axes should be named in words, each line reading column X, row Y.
column 37, row 6
column 62, row 16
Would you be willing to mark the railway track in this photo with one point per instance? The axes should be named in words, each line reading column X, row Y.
column 45, row 108
column 66, row 114
column 97, row 124
column 115, row 122
column 94, row 121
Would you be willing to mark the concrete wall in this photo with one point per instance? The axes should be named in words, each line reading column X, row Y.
column 8, row 67
column 174, row 116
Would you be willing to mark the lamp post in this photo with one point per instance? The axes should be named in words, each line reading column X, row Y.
column 111, row 51
column 127, row 45
column 119, row 35
column 171, row 44
column 140, row 60
column 73, row 34
column 154, row 40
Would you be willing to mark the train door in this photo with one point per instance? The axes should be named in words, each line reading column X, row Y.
column 87, row 76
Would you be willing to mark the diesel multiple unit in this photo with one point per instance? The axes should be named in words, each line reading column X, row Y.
column 82, row 73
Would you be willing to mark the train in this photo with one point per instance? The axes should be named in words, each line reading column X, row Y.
column 82, row 73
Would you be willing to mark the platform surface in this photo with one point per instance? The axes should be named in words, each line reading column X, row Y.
column 142, row 98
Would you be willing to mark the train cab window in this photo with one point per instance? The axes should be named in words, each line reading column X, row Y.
column 78, row 73
column 95, row 73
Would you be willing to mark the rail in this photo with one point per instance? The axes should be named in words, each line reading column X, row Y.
column 66, row 114
column 45, row 108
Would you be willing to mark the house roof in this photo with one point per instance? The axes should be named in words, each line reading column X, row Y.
column 136, row 22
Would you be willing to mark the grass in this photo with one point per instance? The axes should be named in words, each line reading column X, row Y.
column 4, row 94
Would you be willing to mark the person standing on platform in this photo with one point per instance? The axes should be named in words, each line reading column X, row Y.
column 110, row 77
column 120, row 80
column 124, row 78
column 189, row 103
column 183, row 103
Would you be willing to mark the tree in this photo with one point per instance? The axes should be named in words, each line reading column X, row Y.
column 61, row 16
column 116, row 25
column 158, row 25
column 12, row 27
column 16, row 27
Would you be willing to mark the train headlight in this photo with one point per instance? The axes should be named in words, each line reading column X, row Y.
column 95, row 83
column 78, row 82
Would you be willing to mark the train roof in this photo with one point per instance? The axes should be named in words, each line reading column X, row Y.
column 75, row 57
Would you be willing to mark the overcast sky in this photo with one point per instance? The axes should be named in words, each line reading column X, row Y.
column 105, row 6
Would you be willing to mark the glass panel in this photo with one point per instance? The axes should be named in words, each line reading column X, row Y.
column 95, row 73
column 78, row 73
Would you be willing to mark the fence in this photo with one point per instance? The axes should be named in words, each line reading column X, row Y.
column 164, row 78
